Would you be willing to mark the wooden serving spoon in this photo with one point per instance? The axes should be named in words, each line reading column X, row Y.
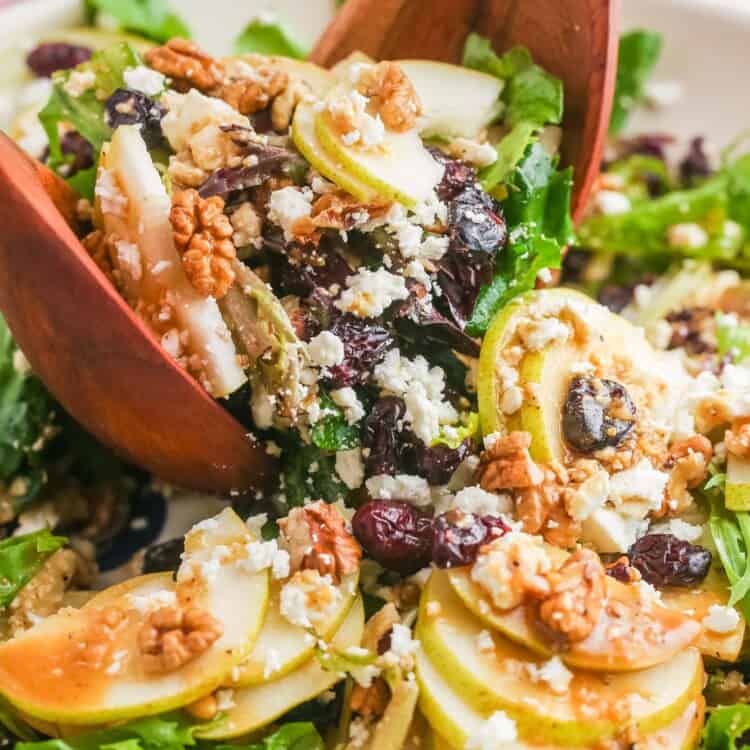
column 576, row 40
column 105, row 366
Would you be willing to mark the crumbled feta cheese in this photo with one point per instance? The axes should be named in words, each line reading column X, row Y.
column 359, row 733
column 482, row 503
column 347, row 399
column 721, row 619
column 263, row 555
column 554, row 673
column 365, row 674
column 609, row 532
column 688, row 236
column 611, row 203
column 326, row 350
column 129, row 259
column 591, row 494
column 111, row 199
column 511, row 400
column 366, row 130
column 289, row 205
column 79, row 81
column 484, row 639
column 544, row 276
column 402, row 644
column 308, row 598
column 256, row 523
column 662, row 94
column 498, row 732
column 350, row 468
column 262, row 406
column 538, row 334
column 478, row 154
column 224, row 699
column 687, row 532
column 321, row 186
column 640, row 483
column 144, row 79
column 415, row 270
column 413, row 489
column 371, row 293
column 735, row 378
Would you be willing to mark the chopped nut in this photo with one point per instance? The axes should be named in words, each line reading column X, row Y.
column 204, row 708
column 285, row 103
column 392, row 95
column 100, row 246
column 576, row 596
column 247, row 225
column 337, row 210
column 202, row 234
column 370, row 701
column 737, row 440
column 688, row 461
column 317, row 539
column 250, row 95
column 506, row 464
column 172, row 636
column 186, row 64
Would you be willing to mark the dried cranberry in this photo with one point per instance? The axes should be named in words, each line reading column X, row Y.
column 597, row 413
column 74, row 144
column 574, row 264
column 474, row 223
column 650, row 144
column 365, row 345
column 380, row 436
column 395, row 534
column 302, row 276
column 692, row 329
column 461, row 275
column 130, row 107
column 456, row 177
column 49, row 57
column 435, row 463
column 696, row 164
column 458, row 537
column 665, row 560
column 621, row 570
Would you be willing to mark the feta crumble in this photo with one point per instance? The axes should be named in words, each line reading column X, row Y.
column 721, row 619
column 263, row 555
column 611, row 203
column 326, row 350
column 308, row 598
column 146, row 80
column 554, row 673
column 498, row 732
column 688, row 236
column 347, row 399
column 371, row 293
column 641, row 483
column 350, row 468
column 289, row 205
column 79, row 81
column 482, row 503
column 413, row 489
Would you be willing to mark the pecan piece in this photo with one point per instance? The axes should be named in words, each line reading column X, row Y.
column 186, row 64
column 202, row 234
column 576, row 596
column 317, row 539
column 507, row 464
column 172, row 636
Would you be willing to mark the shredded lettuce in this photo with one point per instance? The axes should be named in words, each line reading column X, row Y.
column 21, row 557
column 85, row 113
column 725, row 726
column 151, row 19
column 268, row 36
column 639, row 53
column 532, row 98
column 537, row 212
column 332, row 432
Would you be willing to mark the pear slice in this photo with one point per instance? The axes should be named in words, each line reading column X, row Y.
column 74, row 669
column 737, row 495
column 259, row 705
column 289, row 645
column 639, row 649
column 154, row 269
column 318, row 79
column 456, row 101
column 399, row 169
column 306, row 140
column 498, row 680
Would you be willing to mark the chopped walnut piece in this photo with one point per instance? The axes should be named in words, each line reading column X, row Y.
column 202, row 234
column 370, row 701
column 737, row 440
column 186, row 64
column 172, row 636
column 506, row 464
column 317, row 539
column 688, row 461
column 285, row 103
column 392, row 95
column 576, row 596
column 204, row 708
column 250, row 95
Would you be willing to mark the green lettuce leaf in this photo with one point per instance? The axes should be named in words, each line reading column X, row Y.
column 269, row 37
column 21, row 557
column 532, row 98
column 333, row 432
column 309, row 473
column 725, row 726
column 537, row 211
column 85, row 113
column 732, row 337
column 639, row 53
column 300, row 735
column 151, row 19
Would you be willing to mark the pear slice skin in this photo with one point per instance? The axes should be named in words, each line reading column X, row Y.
column 450, row 639
column 400, row 169
column 306, row 140
column 43, row 674
column 320, row 80
column 293, row 645
column 456, row 101
column 595, row 653
column 259, row 705
column 737, row 496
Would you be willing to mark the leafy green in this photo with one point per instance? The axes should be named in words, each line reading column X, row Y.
column 333, row 432
column 152, row 19
column 720, row 205
column 173, row 731
column 269, row 37
column 637, row 171
column 732, row 337
column 309, row 473
column 725, row 726
column 537, row 211
column 21, row 557
column 532, row 98
column 85, row 113
column 639, row 53
column 300, row 735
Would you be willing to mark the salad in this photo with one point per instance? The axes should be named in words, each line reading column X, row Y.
column 511, row 510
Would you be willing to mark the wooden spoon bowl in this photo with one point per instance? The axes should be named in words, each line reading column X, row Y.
column 105, row 366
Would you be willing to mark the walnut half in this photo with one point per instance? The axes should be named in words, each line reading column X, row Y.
column 172, row 636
